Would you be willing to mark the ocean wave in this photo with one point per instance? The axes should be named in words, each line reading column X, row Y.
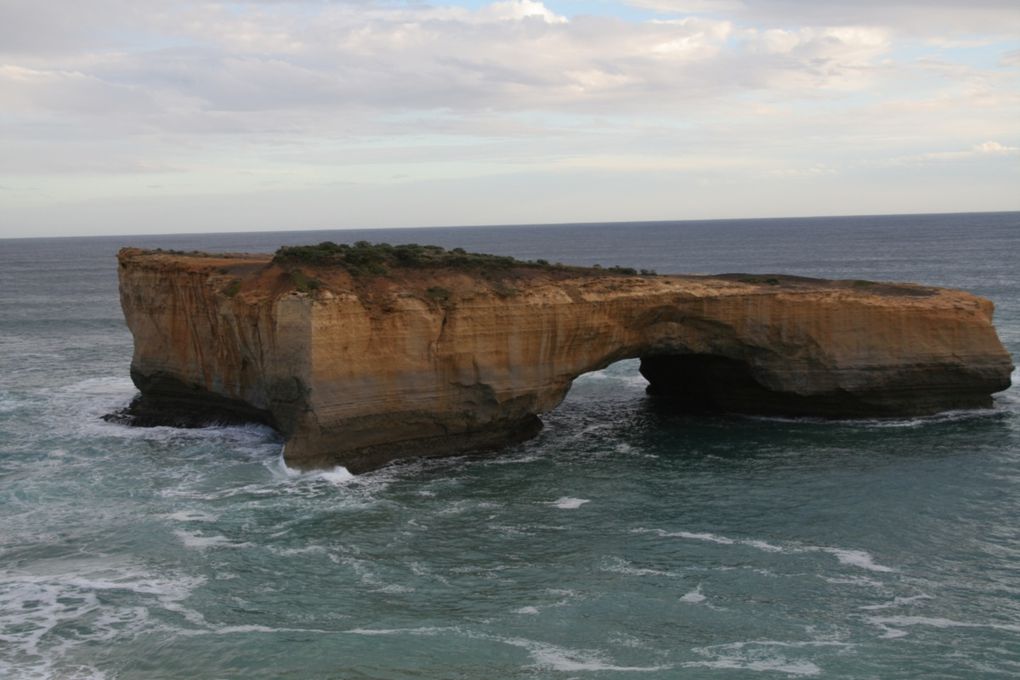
column 893, row 625
column 618, row 565
column 45, row 618
column 565, row 660
column 952, row 416
column 198, row 541
column 861, row 581
column 9, row 403
column 762, row 656
column 568, row 503
column 776, row 664
column 896, row 602
column 191, row 516
column 855, row 558
column 335, row 475
column 694, row 596
column 420, row 630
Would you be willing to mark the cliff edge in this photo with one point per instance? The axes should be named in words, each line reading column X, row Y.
column 358, row 362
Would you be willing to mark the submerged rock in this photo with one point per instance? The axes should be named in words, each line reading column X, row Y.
column 359, row 364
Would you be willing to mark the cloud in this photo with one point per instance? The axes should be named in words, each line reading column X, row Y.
column 991, row 17
column 988, row 149
column 514, row 55
column 112, row 97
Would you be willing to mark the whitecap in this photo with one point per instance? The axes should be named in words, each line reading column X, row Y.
column 197, row 541
column 567, row 660
column 855, row 558
column 892, row 623
column 619, row 565
column 896, row 602
column 191, row 516
column 568, row 503
column 8, row 404
column 423, row 630
column 37, row 611
column 526, row 610
column 879, row 423
column 769, row 665
column 338, row 475
column 693, row 597
column 862, row 581
column 255, row 628
column 762, row 656
column 290, row 552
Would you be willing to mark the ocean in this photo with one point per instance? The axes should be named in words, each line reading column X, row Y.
column 625, row 541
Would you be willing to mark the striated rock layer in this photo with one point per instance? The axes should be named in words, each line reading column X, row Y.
column 358, row 371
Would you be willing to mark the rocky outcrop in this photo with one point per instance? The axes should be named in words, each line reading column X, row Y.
column 361, row 370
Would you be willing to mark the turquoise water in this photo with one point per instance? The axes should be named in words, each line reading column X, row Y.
column 625, row 541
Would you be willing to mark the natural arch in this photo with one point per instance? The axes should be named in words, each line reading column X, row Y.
column 359, row 372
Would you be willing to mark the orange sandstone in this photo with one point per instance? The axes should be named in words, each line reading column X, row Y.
column 364, row 370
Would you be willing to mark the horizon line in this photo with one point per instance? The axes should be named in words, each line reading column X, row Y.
column 497, row 225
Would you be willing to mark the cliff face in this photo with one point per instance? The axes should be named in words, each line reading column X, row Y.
column 360, row 371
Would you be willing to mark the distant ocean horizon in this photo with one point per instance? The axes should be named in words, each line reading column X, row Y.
column 623, row 541
column 527, row 225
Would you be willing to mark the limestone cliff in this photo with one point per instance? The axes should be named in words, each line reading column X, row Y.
column 358, row 370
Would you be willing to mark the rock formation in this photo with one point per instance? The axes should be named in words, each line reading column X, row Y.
column 358, row 369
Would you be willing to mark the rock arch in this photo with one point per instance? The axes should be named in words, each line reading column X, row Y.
column 361, row 373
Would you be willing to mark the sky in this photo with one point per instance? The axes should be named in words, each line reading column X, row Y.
column 145, row 116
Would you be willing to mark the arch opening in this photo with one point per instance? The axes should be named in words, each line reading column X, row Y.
column 705, row 383
column 686, row 382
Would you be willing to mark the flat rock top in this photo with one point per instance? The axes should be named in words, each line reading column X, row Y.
column 259, row 276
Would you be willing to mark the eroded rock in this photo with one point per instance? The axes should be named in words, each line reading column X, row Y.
column 361, row 369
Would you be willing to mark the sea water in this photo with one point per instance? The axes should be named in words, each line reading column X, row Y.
column 625, row 541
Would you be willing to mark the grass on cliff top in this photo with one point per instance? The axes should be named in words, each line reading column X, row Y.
column 364, row 258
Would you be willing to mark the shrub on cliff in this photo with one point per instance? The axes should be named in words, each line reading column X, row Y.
column 364, row 258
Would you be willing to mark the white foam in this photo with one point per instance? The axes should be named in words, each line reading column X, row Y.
column 338, row 475
column 526, row 610
column 566, row 660
column 693, row 597
column 290, row 552
column 618, row 565
column 700, row 536
column 8, row 404
column 423, row 630
column 38, row 610
column 878, row 423
column 191, row 516
column 771, row 665
column 762, row 656
column 862, row 581
column 764, row 546
column 855, row 558
column 893, row 622
column 210, row 629
column 197, row 541
column 896, row 602
column 568, row 503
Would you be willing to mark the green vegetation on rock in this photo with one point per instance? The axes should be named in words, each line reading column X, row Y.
column 364, row 258
column 233, row 288
column 303, row 282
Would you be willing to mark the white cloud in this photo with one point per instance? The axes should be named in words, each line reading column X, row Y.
column 922, row 17
column 984, row 149
column 233, row 97
column 995, row 148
